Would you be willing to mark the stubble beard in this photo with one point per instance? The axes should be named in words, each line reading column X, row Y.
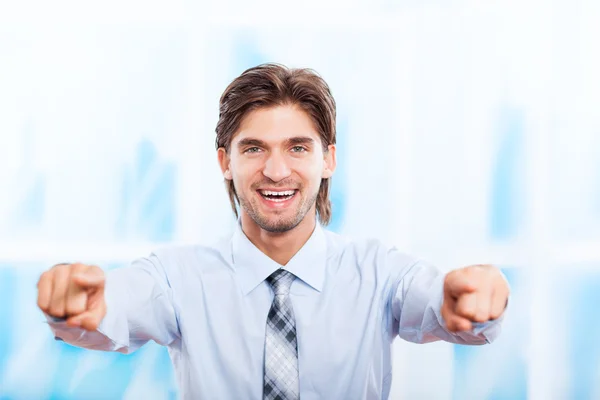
column 277, row 224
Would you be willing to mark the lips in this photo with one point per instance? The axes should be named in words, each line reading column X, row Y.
column 277, row 196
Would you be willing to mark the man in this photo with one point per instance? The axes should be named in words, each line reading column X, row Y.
column 282, row 309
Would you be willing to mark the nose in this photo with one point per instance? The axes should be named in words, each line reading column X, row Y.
column 276, row 167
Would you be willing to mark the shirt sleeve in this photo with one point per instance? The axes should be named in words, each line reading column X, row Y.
column 417, row 294
column 139, row 308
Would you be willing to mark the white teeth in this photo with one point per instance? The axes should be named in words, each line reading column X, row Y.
column 271, row 193
column 278, row 196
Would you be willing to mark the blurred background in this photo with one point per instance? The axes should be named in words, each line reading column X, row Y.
column 468, row 132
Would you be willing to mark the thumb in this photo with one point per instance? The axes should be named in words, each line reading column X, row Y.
column 89, row 320
column 91, row 278
column 457, row 284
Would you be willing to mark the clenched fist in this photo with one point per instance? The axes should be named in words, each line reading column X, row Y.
column 74, row 292
column 478, row 293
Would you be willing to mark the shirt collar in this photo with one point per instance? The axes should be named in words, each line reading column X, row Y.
column 253, row 266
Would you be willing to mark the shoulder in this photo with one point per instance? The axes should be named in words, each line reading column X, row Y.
column 367, row 251
column 193, row 255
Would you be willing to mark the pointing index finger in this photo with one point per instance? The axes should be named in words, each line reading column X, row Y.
column 93, row 277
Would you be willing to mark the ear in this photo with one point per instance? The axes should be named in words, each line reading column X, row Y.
column 224, row 163
column 330, row 162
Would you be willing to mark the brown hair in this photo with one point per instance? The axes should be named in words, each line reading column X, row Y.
column 270, row 85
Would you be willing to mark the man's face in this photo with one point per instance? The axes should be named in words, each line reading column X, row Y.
column 276, row 161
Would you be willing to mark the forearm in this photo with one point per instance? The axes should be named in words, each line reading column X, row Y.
column 419, row 303
column 92, row 340
column 138, row 309
column 111, row 335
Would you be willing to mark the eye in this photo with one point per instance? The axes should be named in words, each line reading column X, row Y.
column 252, row 150
column 298, row 149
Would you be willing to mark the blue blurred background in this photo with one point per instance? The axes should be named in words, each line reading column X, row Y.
column 469, row 132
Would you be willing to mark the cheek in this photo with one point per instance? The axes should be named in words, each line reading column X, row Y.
column 245, row 173
column 311, row 173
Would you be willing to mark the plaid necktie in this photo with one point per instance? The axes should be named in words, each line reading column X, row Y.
column 281, row 349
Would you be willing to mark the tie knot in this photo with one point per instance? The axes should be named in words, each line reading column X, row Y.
column 280, row 281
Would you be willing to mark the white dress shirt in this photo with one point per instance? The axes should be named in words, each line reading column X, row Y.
column 209, row 305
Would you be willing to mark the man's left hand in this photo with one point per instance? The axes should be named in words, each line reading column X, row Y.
column 478, row 293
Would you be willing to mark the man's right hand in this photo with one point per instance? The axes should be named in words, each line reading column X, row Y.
column 74, row 292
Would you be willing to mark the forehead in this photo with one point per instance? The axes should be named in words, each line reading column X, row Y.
column 276, row 124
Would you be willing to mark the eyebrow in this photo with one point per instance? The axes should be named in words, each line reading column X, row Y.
column 250, row 142
column 290, row 142
column 300, row 140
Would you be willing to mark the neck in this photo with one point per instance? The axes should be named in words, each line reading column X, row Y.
column 280, row 246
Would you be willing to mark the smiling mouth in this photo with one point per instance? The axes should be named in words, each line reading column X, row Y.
column 277, row 196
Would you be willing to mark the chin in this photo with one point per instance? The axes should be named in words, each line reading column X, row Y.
column 275, row 221
column 277, row 225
